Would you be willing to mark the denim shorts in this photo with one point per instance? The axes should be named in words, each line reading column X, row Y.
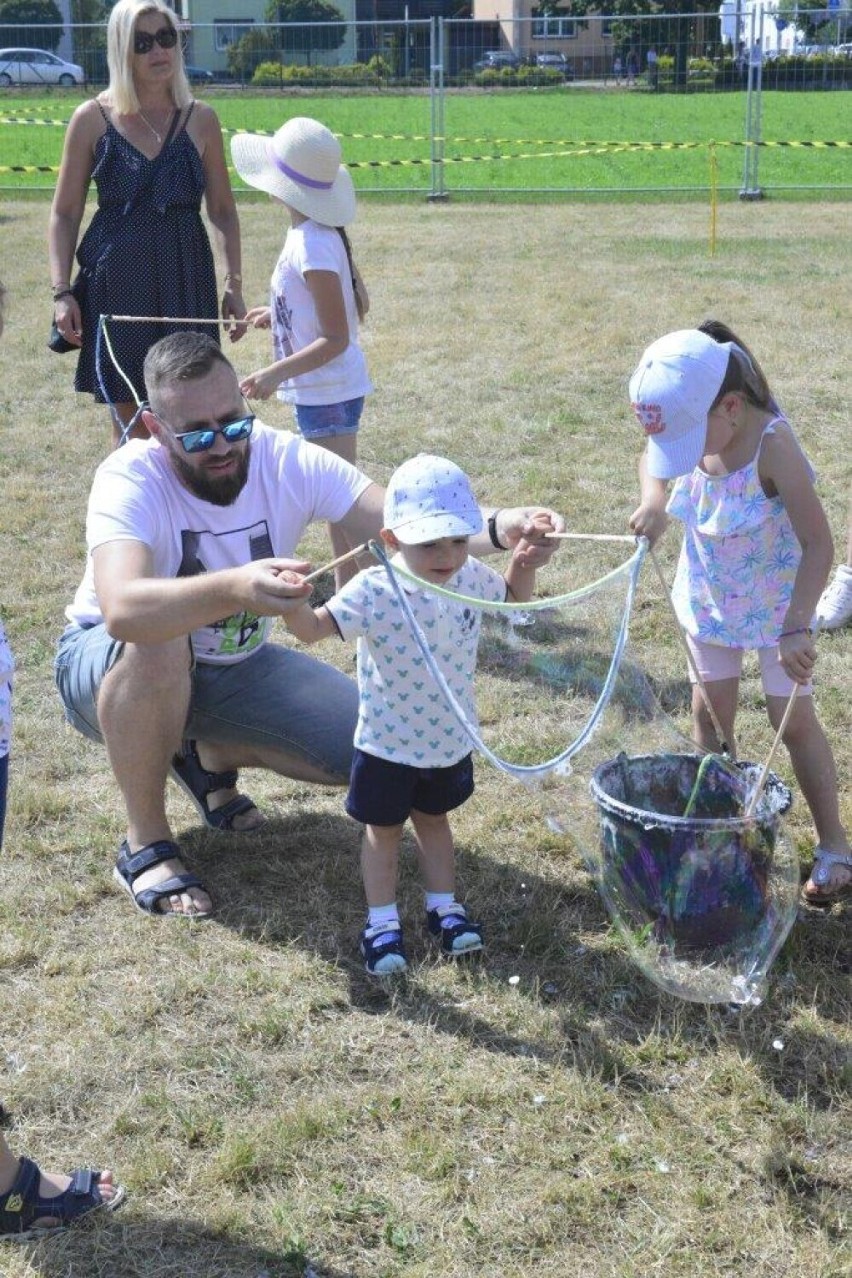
column 383, row 793
column 318, row 420
column 277, row 698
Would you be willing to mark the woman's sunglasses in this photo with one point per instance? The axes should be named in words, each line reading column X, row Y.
column 144, row 41
column 198, row 441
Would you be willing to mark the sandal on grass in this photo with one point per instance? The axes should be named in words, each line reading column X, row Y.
column 824, row 862
column 199, row 784
column 130, row 865
column 22, row 1206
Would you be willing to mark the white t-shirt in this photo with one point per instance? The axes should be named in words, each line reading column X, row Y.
column 311, row 247
column 136, row 496
column 403, row 716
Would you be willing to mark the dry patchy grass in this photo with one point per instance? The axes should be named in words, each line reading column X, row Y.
column 267, row 1105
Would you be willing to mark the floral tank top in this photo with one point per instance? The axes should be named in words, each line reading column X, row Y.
column 739, row 557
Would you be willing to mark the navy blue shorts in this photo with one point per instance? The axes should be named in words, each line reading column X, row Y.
column 384, row 793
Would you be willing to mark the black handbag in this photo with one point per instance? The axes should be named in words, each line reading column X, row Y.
column 56, row 342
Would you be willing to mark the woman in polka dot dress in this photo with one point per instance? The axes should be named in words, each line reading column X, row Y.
column 146, row 251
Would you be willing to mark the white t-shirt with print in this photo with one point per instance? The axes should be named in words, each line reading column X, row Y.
column 311, row 247
column 403, row 715
column 136, row 496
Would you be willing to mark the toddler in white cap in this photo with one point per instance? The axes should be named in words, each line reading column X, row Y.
column 412, row 757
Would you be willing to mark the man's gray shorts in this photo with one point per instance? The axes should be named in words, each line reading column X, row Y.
column 277, row 697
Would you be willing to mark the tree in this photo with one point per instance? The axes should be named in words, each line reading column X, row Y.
column 43, row 19
column 323, row 25
column 89, row 35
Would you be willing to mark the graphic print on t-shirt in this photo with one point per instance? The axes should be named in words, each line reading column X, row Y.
column 205, row 551
column 282, row 328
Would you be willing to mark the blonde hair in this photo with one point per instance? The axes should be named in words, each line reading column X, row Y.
column 121, row 29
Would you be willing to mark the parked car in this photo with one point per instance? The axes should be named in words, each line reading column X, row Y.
column 494, row 59
column 199, row 75
column 37, row 66
column 557, row 61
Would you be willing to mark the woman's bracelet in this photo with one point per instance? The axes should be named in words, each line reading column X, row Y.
column 232, row 275
column 802, row 630
column 62, row 292
column 492, row 532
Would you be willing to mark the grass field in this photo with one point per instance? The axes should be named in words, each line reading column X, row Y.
column 271, row 1110
column 545, row 140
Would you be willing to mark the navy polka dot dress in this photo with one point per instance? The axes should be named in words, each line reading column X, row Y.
column 153, row 260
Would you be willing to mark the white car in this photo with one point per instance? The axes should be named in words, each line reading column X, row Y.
column 37, row 66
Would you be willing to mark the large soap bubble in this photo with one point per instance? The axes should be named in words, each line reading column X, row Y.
column 703, row 895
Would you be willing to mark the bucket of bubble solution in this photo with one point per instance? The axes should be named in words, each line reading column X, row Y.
column 703, row 895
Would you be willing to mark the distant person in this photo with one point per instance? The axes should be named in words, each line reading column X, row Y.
column 33, row 1202
column 412, row 757
column 755, row 556
column 153, row 152
column 652, row 62
column 632, row 67
column 318, row 297
column 617, row 68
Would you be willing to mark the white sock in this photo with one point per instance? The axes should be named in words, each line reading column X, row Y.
column 439, row 901
column 383, row 917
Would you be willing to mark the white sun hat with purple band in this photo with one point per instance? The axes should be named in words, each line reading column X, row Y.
column 301, row 166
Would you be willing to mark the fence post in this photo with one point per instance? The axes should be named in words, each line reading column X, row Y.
column 754, row 69
column 437, row 49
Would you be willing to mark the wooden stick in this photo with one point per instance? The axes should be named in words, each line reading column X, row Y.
column 341, row 559
column 171, row 319
column 788, row 710
column 566, row 536
column 690, row 658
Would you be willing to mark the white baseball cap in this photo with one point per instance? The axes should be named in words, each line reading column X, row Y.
column 429, row 497
column 671, row 392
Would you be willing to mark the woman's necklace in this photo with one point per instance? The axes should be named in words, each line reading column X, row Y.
column 143, row 117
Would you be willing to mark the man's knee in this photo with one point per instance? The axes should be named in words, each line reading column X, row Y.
column 159, row 672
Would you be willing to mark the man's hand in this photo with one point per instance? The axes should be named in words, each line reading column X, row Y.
column 272, row 587
column 524, row 529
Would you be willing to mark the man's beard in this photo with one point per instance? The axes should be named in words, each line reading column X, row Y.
column 221, row 491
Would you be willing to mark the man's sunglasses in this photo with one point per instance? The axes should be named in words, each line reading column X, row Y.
column 198, row 441
column 144, row 41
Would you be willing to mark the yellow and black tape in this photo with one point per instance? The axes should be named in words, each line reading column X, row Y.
column 425, row 137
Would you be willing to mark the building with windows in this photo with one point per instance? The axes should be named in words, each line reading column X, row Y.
column 585, row 42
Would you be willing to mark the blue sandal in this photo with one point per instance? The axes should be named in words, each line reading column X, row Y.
column 199, row 783
column 458, row 934
column 22, row 1205
column 130, row 865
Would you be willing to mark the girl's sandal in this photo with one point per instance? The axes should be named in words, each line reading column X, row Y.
column 22, row 1206
column 824, row 862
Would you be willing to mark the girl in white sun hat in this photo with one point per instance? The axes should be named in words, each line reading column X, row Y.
column 317, row 296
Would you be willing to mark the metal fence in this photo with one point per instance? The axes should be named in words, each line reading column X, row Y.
column 633, row 76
